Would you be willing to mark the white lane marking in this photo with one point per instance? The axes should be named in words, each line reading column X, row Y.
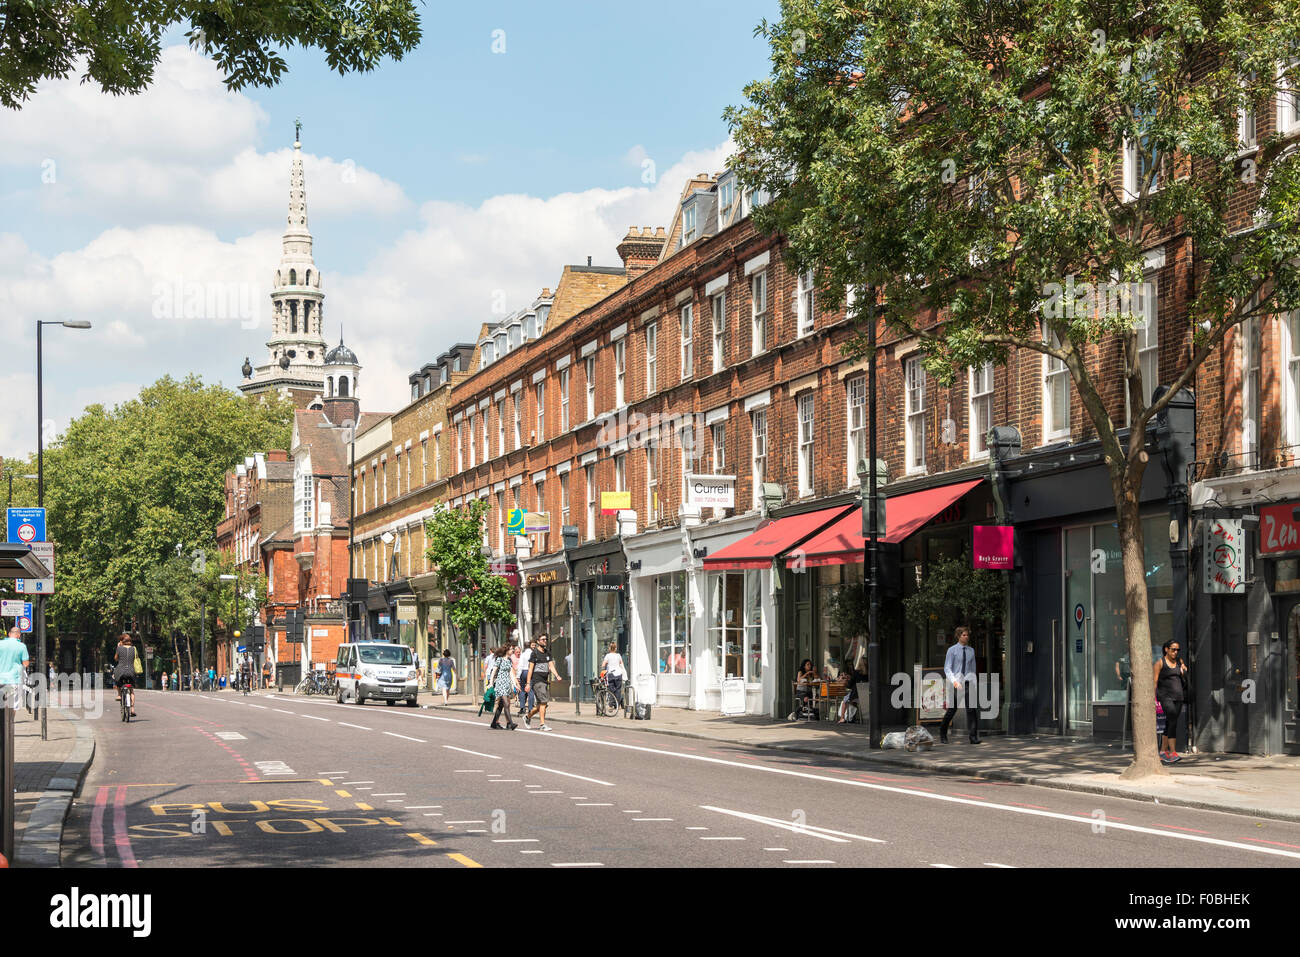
column 282, row 711
column 509, row 781
column 1010, row 867
column 433, row 814
column 948, row 866
column 387, row 794
column 530, row 852
column 468, row 771
column 634, row 812
column 329, row 773
column 514, row 840
column 452, row 747
column 722, row 839
column 697, row 829
column 575, row 798
column 593, row 805
column 579, row 864
column 393, row 800
column 356, row 782
column 932, row 796
column 475, row 830
column 231, row 736
column 359, row 727
column 566, row 774
column 545, row 792
column 652, row 819
column 464, row 822
column 273, row 767
column 808, row 862
column 394, row 734
column 825, row 833
column 313, row 717
column 262, row 706
column 776, row 822
column 786, row 849
column 421, row 807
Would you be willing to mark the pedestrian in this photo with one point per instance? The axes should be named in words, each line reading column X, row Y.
column 266, row 674
column 521, row 673
column 540, row 664
column 446, row 674
column 13, row 668
column 489, row 663
column 959, row 668
column 506, row 685
column 1170, row 677
column 164, row 681
column 615, row 671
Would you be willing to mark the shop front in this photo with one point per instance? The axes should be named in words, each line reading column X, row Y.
column 1247, row 600
column 660, row 634
column 430, row 624
column 600, row 577
column 547, row 612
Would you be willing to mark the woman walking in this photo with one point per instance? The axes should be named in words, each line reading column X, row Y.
column 1170, row 672
column 506, row 685
column 615, row 671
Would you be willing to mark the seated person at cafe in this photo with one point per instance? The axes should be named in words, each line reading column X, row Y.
column 805, row 684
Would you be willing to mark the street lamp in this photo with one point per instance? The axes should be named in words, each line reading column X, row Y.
column 40, row 488
column 10, row 475
column 235, row 633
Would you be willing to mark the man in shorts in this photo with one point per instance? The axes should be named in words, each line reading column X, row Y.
column 13, row 668
column 540, row 666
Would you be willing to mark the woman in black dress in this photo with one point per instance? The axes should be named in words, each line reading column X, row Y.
column 1169, row 672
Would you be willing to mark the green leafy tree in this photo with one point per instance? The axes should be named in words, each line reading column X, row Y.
column 953, row 593
column 965, row 161
column 475, row 596
column 124, row 486
column 117, row 44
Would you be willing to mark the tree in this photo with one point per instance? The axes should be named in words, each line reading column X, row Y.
column 117, row 44
column 965, row 162
column 124, row 487
column 474, row 595
column 954, row 593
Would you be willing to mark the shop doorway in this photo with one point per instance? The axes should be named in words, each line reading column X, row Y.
column 1289, row 612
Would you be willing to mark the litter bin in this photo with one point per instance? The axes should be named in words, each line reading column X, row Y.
column 645, row 696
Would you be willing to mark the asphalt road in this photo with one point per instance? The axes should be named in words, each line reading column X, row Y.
column 232, row 780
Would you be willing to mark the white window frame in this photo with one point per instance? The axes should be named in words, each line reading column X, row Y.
column 437, row 456
column 460, row 446
column 760, row 308
column 807, row 410
column 718, row 312
column 424, row 461
column 980, row 392
column 689, row 223
column 590, row 475
column 652, row 358
column 1288, row 104
column 501, row 427
column 855, row 404
column 501, row 523
column 541, row 411
column 620, row 373
column 719, row 448
column 806, row 307
column 1247, row 121
column 652, row 482
column 564, row 499
column 308, row 503
column 687, row 319
column 564, row 400
column 1251, row 340
column 1148, row 336
column 1052, row 369
column 914, row 388
column 758, row 452
column 473, row 453
column 516, row 399
column 620, row 472
column 590, row 365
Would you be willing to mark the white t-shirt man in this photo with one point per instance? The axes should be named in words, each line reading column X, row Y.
column 523, row 662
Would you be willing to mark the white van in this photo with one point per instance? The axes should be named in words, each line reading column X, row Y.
column 383, row 670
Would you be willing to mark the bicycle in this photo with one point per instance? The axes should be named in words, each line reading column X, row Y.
column 127, row 697
column 606, row 701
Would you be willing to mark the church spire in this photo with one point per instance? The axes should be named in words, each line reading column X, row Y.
column 297, row 223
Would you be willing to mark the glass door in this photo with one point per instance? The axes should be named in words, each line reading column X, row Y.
column 1077, row 631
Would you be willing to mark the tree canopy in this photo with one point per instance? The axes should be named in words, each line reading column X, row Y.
column 117, row 43
column 475, row 595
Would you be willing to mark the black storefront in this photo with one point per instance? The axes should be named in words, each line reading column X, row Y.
column 600, row 577
column 549, row 613
column 1067, row 661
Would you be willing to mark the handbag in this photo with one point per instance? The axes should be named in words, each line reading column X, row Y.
column 139, row 665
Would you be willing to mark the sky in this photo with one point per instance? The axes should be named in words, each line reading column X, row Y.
column 516, row 138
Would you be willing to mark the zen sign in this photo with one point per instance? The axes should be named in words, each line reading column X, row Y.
column 1279, row 531
column 1224, row 551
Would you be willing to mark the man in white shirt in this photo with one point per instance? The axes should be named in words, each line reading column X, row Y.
column 959, row 669
column 525, row 693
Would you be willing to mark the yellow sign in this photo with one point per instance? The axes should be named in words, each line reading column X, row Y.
column 612, row 502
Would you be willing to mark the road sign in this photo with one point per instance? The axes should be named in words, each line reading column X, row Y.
column 12, row 608
column 25, row 623
column 39, row 586
column 241, row 648
column 26, row 525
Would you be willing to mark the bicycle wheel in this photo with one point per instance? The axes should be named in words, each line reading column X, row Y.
column 606, row 703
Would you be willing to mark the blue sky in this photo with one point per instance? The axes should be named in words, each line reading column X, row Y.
column 432, row 184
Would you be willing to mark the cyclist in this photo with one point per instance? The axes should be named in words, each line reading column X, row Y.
column 124, row 674
column 246, row 675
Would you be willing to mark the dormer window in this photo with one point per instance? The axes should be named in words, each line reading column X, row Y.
column 530, row 327
column 543, row 313
column 688, row 224
column 501, row 345
column 455, row 364
column 515, row 331
column 726, row 199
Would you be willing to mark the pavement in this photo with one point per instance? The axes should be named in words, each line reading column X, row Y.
column 49, row 773
column 46, row 776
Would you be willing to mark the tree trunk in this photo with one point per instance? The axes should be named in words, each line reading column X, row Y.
column 1128, row 488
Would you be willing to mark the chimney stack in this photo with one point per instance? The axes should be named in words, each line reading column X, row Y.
column 640, row 249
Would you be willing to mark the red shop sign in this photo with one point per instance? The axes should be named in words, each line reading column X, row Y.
column 993, row 546
column 1279, row 531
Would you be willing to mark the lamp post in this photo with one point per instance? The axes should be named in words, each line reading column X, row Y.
column 10, row 475
column 235, row 632
column 873, row 538
column 39, row 606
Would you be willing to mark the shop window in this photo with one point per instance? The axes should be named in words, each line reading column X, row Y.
column 672, row 635
column 735, row 632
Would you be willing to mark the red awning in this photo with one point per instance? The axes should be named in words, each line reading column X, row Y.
column 761, row 548
column 843, row 542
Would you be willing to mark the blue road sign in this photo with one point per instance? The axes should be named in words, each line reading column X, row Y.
column 240, row 649
column 26, row 525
